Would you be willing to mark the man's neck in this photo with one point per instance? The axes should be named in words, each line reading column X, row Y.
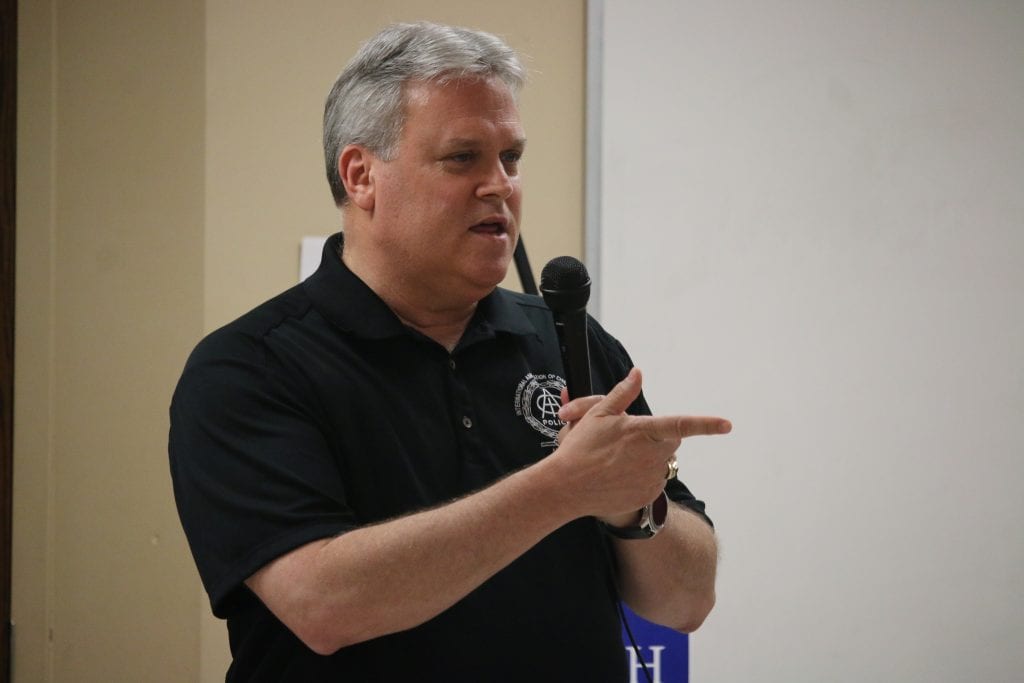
column 443, row 324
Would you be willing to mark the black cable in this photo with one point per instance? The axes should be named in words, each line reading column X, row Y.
column 523, row 268
column 613, row 587
column 632, row 641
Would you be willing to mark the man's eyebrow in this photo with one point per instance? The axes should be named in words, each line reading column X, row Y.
column 518, row 143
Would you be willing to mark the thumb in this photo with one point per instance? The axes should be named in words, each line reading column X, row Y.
column 622, row 394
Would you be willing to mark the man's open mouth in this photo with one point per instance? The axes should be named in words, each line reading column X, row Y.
column 492, row 225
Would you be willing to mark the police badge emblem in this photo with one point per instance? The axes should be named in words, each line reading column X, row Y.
column 538, row 399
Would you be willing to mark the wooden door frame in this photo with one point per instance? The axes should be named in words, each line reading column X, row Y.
column 8, row 162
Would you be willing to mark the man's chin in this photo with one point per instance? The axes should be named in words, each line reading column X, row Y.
column 484, row 282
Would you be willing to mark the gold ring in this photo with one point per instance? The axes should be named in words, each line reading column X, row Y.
column 673, row 469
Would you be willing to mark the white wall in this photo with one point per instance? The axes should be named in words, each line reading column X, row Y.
column 812, row 222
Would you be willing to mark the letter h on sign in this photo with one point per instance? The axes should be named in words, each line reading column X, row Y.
column 665, row 652
column 653, row 664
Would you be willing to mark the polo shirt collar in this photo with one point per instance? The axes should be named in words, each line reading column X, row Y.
column 500, row 311
column 347, row 302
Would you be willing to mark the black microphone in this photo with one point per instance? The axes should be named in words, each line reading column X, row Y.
column 565, row 286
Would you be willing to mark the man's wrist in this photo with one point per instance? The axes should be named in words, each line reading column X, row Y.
column 623, row 520
column 646, row 523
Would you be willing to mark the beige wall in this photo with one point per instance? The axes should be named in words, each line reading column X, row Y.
column 168, row 162
column 109, row 287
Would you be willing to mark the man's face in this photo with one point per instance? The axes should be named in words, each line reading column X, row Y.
column 446, row 208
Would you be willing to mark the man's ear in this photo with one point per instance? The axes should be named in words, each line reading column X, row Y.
column 354, row 165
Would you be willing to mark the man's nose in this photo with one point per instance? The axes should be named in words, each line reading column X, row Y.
column 497, row 183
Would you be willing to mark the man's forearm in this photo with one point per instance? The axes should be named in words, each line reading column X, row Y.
column 670, row 579
column 395, row 575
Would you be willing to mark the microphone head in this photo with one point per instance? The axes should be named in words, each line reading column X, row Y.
column 565, row 284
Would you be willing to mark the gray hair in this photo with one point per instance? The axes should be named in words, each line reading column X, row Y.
column 366, row 104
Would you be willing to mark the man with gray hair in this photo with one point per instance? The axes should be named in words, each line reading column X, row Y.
column 372, row 468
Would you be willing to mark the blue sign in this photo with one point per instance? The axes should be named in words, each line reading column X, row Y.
column 664, row 651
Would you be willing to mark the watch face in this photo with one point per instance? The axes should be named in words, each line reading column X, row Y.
column 659, row 511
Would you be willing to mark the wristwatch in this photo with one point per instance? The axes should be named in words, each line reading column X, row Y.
column 652, row 520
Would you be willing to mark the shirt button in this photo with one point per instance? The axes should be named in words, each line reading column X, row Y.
column 466, row 422
column 451, row 363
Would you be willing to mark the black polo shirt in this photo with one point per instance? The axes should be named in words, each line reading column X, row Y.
column 319, row 412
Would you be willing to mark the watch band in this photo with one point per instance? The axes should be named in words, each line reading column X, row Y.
column 652, row 520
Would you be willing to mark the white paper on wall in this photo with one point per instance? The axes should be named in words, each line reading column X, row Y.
column 310, row 251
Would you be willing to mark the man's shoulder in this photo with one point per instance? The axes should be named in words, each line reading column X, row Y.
column 245, row 334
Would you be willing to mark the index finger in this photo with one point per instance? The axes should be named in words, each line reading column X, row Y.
column 663, row 427
column 575, row 409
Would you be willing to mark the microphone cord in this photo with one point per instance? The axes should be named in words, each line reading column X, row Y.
column 632, row 642
column 613, row 585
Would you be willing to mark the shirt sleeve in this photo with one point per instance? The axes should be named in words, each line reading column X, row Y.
column 253, row 474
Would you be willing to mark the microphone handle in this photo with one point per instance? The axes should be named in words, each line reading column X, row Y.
column 571, row 327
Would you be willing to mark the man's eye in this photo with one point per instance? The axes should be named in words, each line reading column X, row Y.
column 462, row 157
column 512, row 157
